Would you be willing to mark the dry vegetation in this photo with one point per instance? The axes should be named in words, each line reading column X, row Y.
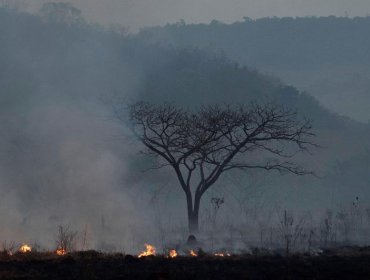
column 346, row 263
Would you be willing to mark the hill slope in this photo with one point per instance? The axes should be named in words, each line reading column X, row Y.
column 329, row 57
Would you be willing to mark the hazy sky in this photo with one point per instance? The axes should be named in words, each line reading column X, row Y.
column 139, row 13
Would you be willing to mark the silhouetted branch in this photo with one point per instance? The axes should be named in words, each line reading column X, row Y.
column 201, row 145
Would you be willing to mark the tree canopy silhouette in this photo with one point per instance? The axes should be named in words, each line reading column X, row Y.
column 203, row 144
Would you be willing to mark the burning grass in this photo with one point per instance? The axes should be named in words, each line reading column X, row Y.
column 150, row 251
column 61, row 251
column 97, row 265
column 25, row 248
column 25, row 262
column 173, row 254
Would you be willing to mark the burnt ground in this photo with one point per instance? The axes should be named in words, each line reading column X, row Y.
column 354, row 264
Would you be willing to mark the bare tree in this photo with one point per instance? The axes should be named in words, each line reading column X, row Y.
column 290, row 229
column 200, row 145
column 66, row 239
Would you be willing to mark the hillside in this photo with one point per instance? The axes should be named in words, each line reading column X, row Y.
column 328, row 56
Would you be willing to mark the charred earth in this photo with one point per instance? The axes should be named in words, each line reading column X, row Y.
column 344, row 263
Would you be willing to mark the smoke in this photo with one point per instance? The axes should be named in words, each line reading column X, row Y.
column 61, row 168
column 63, row 161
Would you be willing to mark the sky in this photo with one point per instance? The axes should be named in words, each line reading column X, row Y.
column 140, row 13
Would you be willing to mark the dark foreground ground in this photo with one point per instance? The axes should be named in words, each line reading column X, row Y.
column 350, row 264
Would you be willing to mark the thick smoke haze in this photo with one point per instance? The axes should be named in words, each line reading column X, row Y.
column 65, row 160
column 140, row 13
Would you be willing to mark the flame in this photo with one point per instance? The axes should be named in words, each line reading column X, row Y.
column 25, row 248
column 173, row 254
column 61, row 252
column 222, row 254
column 150, row 251
column 193, row 254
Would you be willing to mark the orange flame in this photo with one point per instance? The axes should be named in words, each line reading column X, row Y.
column 173, row 254
column 150, row 251
column 193, row 254
column 61, row 252
column 25, row 248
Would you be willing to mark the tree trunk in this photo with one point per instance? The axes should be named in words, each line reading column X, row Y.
column 194, row 222
column 193, row 214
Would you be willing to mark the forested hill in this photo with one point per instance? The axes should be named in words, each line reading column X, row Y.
column 327, row 56
column 73, row 62
column 46, row 59
column 57, row 78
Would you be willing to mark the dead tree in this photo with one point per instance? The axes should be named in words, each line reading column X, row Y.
column 66, row 239
column 200, row 145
